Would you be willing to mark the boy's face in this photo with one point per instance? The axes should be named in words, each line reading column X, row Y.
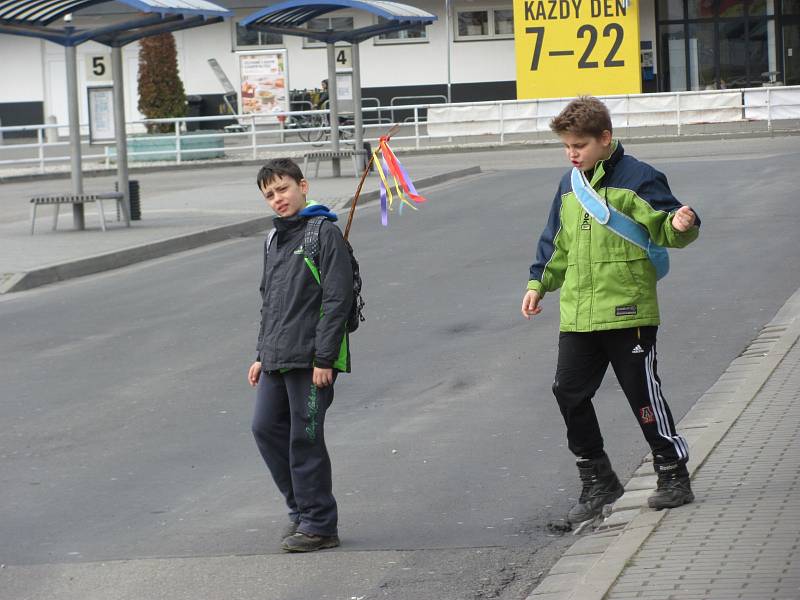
column 285, row 196
column 584, row 151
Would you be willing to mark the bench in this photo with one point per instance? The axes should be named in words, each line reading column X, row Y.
column 57, row 201
column 329, row 155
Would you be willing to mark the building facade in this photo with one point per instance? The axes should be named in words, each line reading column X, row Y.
column 466, row 55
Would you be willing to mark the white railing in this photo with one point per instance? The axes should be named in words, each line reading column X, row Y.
column 429, row 125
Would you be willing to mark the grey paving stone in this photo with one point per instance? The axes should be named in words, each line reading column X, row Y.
column 741, row 538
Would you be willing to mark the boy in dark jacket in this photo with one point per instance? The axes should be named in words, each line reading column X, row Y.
column 302, row 345
column 609, row 306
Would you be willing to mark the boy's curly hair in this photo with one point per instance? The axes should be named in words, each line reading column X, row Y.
column 278, row 167
column 586, row 115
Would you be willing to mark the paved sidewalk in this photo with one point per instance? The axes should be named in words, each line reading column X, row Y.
column 740, row 539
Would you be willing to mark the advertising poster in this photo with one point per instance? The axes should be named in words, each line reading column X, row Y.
column 263, row 77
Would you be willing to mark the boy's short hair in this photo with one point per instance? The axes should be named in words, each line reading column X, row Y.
column 278, row 167
column 586, row 115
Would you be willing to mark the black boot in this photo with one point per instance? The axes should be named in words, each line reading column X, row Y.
column 673, row 489
column 600, row 487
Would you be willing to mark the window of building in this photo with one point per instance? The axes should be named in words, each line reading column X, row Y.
column 484, row 23
column 700, row 9
column 672, row 51
column 791, row 7
column 671, row 10
column 701, row 56
column 249, row 39
column 720, row 44
column 504, row 22
column 323, row 24
column 413, row 35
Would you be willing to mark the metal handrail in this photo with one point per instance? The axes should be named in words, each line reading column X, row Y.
column 266, row 134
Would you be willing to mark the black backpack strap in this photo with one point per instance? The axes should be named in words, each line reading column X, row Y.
column 311, row 237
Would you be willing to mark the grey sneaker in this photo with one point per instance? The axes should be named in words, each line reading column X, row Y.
column 303, row 542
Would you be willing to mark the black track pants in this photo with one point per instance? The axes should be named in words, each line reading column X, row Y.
column 582, row 362
column 288, row 425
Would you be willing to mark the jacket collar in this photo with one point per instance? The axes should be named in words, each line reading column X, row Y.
column 606, row 167
column 283, row 224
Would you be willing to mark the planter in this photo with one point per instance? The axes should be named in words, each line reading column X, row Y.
column 161, row 147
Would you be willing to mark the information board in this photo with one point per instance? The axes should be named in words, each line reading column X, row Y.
column 101, row 114
column 568, row 48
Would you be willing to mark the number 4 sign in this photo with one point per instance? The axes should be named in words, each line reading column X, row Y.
column 344, row 58
column 572, row 47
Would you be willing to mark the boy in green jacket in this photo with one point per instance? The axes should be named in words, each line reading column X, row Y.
column 609, row 306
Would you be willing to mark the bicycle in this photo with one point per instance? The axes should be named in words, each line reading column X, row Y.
column 315, row 128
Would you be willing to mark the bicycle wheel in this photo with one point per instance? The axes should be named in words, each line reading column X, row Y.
column 310, row 131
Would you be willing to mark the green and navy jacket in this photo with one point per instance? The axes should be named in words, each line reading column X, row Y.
column 607, row 282
column 305, row 305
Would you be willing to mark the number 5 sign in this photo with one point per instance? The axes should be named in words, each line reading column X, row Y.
column 574, row 47
column 98, row 67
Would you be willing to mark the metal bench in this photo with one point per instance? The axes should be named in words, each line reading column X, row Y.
column 330, row 154
column 57, row 201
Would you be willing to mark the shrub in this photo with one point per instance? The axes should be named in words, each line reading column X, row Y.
column 161, row 93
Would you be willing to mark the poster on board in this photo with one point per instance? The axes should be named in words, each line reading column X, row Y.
column 101, row 114
column 263, row 89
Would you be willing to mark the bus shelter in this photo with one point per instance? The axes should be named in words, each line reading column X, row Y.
column 52, row 20
column 291, row 18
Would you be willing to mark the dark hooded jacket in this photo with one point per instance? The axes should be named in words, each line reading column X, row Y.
column 303, row 323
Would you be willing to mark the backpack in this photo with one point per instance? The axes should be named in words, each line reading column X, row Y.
column 311, row 250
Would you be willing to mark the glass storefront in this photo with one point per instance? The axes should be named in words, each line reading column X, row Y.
column 719, row 44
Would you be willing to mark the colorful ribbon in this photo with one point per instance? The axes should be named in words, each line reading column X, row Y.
column 388, row 165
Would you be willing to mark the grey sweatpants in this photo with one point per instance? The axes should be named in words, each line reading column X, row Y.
column 288, row 425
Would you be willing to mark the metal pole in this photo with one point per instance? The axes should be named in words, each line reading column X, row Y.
column 334, row 109
column 769, row 110
column 358, row 119
column 41, row 149
column 447, row 37
column 119, row 131
column 74, row 134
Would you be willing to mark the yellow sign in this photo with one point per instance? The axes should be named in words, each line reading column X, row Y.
column 574, row 47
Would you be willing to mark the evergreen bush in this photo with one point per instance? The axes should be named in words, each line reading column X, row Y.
column 161, row 92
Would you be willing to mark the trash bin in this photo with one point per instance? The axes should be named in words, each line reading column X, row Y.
column 134, row 205
column 193, row 109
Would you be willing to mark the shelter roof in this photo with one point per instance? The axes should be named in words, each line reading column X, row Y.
column 32, row 17
column 290, row 17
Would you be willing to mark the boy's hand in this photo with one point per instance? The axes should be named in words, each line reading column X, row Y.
column 530, row 304
column 322, row 377
column 254, row 373
column 683, row 219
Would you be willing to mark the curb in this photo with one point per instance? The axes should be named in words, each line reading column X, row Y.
column 591, row 566
column 17, row 282
column 128, row 256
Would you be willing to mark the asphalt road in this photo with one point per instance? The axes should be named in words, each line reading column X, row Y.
column 125, row 431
